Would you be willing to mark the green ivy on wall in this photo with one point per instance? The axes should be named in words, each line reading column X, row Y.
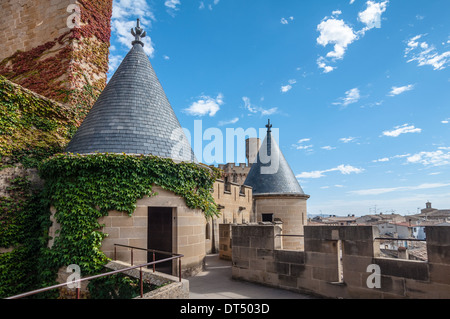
column 24, row 223
column 83, row 189
column 32, row 128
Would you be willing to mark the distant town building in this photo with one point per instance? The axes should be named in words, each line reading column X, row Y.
column 380, row 218
column 431, row 214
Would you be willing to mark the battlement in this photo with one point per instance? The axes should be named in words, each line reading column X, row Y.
column 341, row 262
column 234, row 200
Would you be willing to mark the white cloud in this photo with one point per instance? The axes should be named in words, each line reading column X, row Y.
column 123, row 21
column 446, row 121
column 172, row 4
column 402, row 129
column 328, row 148
column 286, row 20
column 347, row 139
column 286, row 88
column 426, row 54
column 437, row 158
column 343, row 169
column 399, row 90
column 386, row 159
column 114, row 62
column 352, row 1
column 300, row 144
column 371, row 17
column 351, row 96
column 256, row 109
column 379, row 191
column 233, row 121
column 304, row 147
column 337, row 32
column 322, row 65
column 205, row 106
column 209, row 6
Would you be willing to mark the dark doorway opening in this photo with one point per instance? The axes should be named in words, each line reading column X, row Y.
column 160, row 236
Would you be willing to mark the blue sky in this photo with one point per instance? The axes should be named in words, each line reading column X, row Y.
column 359, row 90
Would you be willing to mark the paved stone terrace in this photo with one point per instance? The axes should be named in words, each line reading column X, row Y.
column 216, row 283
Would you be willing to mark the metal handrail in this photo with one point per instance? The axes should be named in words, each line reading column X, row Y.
column 174, row 256
column 287, row 235
column 149, row 250
column 399, row 239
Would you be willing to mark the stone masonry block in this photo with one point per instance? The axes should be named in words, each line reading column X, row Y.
column 293, row 257
column 356, row 263
column 321, row 260
column 241, row 263
column 240, row 241
column 438, row 235
column 440, row 273
column 392, row 285
column 438, row 252
column 358, row 248
column 297, row 270
column 264, row 254
column 325, row 274
column 257, row 264
column 403, row 268
column 319, row 245
column 264, row 243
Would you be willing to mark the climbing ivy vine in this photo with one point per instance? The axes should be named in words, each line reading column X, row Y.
column 83, row 189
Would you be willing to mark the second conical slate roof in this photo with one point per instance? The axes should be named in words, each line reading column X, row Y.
column 133, row 116
column 271, row 173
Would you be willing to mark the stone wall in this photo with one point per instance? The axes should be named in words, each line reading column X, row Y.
column 41, row 51
column 225, row 245
column 290, row 210
column 236, row 202
column 188, row 232
column 335, row 263
column 236, row 207
column 233, row 173
column 25, row 25
column 172, row 287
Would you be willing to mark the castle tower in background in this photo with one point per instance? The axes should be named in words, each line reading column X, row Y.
column 277, row 195
column 57, row 48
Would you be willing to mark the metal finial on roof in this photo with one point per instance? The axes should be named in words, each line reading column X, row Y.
column 138, row 33
column 269, row 126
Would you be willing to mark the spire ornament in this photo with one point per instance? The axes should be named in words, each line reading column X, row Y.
column 138, row 34
column 269, row 127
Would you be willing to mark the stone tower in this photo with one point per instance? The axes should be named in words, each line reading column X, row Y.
column 57, row 48
column 133, row 115
column 277, row 195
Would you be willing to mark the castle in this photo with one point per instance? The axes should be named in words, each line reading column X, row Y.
column 133, row 116
column 261, row 223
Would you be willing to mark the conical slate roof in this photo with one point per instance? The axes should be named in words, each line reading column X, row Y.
column 133, row 115
column 271, row 173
